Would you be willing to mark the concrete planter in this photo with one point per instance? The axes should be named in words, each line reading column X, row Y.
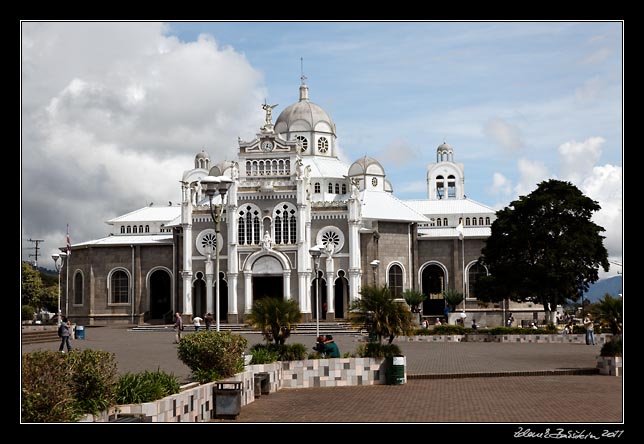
column 610, row 365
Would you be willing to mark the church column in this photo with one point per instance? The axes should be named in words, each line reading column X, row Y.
column 330, row 290
column 304, row 282
column 304, row 239
column 186, row 224
column 232, row 219
column 248, row 290
column 233, row 317
column 286, row 277
column 210, row 307
column 354, row 244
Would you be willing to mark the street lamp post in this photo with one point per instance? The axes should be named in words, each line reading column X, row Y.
column 315, row 253
column 213, row 185
column 59, row 267
column 374, row 265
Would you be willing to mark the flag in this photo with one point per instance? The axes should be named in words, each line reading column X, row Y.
column 69, row 243
column 459, row 230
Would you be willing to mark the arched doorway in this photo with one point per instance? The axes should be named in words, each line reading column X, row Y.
column 341, row 295
column 199, row 295
column 267, row 278
column 323, row 298
column 223, row 298
column 475, row 270
column 433, row 284
column 160, row 294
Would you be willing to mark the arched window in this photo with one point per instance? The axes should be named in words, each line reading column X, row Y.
column 134, row 229
column 317, row 187
column 445, row 221
column 122, row 229
column 78, row 288
column 439, row 222
column 460, row 220
column 129, row 229
column 323, row 145
column 285, row 224
column 337, row 188
column 473, row 221
column 487, row 221
column 248, row 167
column 451, row 187
column 473, row 274
column 147, row 228
column 330, row 188
column 395, row 280
column 440, row 190
column 280, row 167
column 480, row 221
column 305, row 143
column 119, row 287
column 248, row 226
column 344, row 188
column 467, row 221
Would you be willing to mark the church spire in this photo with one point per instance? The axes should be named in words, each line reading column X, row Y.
column 304, row 89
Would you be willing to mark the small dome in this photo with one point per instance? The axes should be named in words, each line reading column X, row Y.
column 388, row 186
column 366, row 165
column 202, row 155
column 202, row 160
column 444, row 147
column 221, row 169
column 304, row 116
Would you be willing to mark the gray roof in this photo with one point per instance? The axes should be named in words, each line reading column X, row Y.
column 449, row 206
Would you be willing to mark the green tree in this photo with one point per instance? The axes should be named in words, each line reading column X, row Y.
column 275, row 317
column 381, row 313
column 609, row 312
column 32, row 287
column 453, row 298
column 414, row 299
column 543, row 248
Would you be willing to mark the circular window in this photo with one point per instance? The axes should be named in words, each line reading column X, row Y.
column 374, row 181
column 331, row 235
column 323, row 145
column 208, row 239
column 304, row 142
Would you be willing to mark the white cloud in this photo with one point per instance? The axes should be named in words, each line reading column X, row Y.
column 500, row 185
column 114, row 112
column 531, row 173
column 577, row 159
column 504, row 134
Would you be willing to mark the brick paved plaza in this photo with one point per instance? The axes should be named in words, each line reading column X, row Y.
column 554, row 398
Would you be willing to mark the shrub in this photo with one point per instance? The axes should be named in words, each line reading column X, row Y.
column 47, row 395
column 145, row 387
column 212, row 355
column 94, row 377
column 377, row 350
column 27, row 313
column 612, row 348
column 271, row 352
column 62, row 387
column 275, row 317
column 422, row 332
column 448, row 329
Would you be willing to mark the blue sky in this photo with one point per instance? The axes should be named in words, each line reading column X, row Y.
column 519, row 101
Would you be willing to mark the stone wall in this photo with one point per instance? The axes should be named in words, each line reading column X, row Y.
column 528, row 338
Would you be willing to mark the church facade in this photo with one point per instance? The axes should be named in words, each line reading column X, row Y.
column 288, row 192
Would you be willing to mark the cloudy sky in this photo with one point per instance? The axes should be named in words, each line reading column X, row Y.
column 113, row 113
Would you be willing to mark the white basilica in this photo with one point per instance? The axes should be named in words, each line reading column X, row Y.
column 289, row 192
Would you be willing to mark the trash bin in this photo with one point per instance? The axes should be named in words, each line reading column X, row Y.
column 79, row 332
column 227, row 399
column 396, row 370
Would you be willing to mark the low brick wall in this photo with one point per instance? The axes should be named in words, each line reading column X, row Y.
column 610, row 365
column 528, row 338
column 196, row 403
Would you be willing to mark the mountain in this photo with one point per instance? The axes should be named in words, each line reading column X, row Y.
column 612, row 286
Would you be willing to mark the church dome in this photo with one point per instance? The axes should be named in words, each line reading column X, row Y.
column 202, row 160
column 366, row 165
column 304, row 116
column 444, row 147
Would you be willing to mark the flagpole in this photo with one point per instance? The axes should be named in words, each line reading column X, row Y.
column 69, row 254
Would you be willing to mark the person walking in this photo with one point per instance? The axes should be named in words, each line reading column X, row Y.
column 196, row 321
column 590, row 333
column 65, row 332
column 178, row 326
column 208, row 318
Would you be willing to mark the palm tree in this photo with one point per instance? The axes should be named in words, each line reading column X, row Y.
column 414, row 299
column 275, row 317
column 453, row 298
column 380, row 313
column 609, row 310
